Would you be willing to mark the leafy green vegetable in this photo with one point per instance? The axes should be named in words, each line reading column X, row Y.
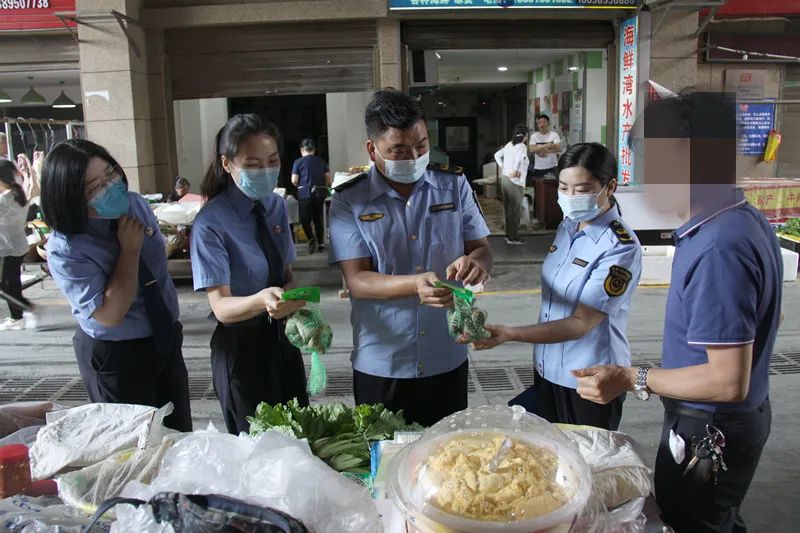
column 792, row 227
column 337, row 434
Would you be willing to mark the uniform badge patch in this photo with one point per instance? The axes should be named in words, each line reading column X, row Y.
column 443, row 207
column 278, row 230
column 371, row 217
column 553, row 248
column 621, row 233
column 580, row 262
column 617, row 281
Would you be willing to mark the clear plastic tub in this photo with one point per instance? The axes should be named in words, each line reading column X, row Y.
column 413, row 479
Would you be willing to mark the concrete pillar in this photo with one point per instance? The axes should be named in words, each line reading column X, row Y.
column 389, row 54
column 117, row 91
column 673, row 50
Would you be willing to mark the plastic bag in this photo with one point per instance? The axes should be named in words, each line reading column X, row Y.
column 87, row 488
column 773, row 142
column 139, row 519
column 619, row 474
column 24, row 514
column 88, row 434
column 464, row 322
column 271, row 470
column 308, row 331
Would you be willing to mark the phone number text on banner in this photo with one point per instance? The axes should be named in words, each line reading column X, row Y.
column 18, row 15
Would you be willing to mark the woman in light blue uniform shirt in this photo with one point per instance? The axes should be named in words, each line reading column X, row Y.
column 107, row 256
column 242, row 251
column 588, row 281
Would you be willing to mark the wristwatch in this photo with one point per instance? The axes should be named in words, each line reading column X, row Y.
column 640, row 390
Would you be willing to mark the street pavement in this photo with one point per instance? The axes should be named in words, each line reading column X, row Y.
column 34, row 364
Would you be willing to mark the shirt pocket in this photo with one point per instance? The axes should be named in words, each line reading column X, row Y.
column 382, row 236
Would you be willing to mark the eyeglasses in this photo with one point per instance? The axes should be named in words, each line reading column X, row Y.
column 98, row 186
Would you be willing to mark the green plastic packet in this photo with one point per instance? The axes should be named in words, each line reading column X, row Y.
column 465, row 323
column 307, row 330
column 308, row 294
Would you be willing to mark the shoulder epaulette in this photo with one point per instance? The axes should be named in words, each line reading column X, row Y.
column 621, row 233
column 352, row 181
column 441, row 167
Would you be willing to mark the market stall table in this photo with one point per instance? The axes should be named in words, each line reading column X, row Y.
column 777, row 198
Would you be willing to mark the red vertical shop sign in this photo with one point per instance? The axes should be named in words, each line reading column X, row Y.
column 16, row 15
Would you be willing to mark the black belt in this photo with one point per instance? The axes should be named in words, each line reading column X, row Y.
column 259, row 321
column 675, row 406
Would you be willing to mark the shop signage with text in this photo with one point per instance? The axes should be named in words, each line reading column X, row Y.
column 518, row 4
column 18, row 15
column 628, row 86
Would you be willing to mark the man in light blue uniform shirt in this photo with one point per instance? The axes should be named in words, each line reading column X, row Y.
column 396, row 231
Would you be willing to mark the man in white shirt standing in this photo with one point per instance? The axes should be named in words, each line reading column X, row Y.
column 545, row 145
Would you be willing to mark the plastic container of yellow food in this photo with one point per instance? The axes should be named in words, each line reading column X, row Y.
column 491, row 468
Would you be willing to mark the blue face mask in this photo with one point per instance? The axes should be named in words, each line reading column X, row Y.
column 407, row 170
column 112, row 202
column 258, row 183
column 580, row 207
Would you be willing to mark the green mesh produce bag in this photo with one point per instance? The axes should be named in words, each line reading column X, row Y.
column 465, row 322
column 307, row 330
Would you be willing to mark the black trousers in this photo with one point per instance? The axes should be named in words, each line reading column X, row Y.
column 541, row 172
column 311, row 210
column 693, row 507
column 251, row 365
column 133, row 371
column 563, row 405
column 11, row 285
column 423, row 400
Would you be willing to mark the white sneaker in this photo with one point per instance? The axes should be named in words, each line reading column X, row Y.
column 9, row 324
column 31, row 320
column 514, row 241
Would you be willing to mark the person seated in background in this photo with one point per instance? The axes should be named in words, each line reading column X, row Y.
column 182, row 188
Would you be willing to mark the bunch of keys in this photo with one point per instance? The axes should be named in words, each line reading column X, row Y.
column 707, row 458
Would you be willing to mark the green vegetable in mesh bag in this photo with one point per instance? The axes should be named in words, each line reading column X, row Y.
column 465, row 322
column 307, row 330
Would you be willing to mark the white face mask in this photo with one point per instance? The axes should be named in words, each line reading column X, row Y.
column 405, row 171
column 580, row 207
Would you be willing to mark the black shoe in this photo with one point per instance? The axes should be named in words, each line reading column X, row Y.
column 321, row 248
column 312, row 248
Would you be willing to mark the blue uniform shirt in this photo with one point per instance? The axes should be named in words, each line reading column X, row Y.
column 311, row 170
column 599, row 267
column 224, row 243
column 82, row 264
column 426, row 232
column 725, row 290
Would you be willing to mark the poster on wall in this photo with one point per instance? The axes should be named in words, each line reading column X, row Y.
column 577, row 116
column 628, row 83
column 756, row 121
column 746, row 83
column 566, row 112
column 537, row 106
column 554, row 104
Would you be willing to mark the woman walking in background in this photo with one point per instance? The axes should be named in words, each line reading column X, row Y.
column 13, row 247
column 513, row 162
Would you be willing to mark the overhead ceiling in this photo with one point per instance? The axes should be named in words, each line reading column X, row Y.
column 46, row 83
column 479, row 67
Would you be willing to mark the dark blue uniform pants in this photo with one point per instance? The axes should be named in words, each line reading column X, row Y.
column 133, row 371
column 692, row 507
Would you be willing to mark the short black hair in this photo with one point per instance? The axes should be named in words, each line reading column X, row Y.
column 542, row 115
column 391, row 109
column 230, row 136
column 308, row 145
column 182, row 182
column 64, row 205
column 594, row 157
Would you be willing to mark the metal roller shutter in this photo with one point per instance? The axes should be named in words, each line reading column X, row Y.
column 21, row 52
column 302, row 58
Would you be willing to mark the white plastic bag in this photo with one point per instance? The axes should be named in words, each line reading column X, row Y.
column 86, row 489
column 139, row 519
column 88, row 434
column 271, row 470
column 618, row 473
column 24, row 514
